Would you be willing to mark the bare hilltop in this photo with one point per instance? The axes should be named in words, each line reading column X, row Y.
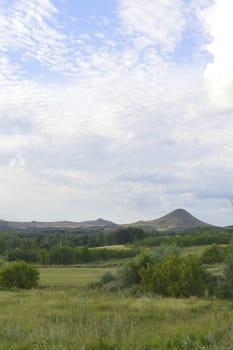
column 177, row 220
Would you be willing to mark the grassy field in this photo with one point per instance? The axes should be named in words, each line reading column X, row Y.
column 71, row 276
column 65, row 314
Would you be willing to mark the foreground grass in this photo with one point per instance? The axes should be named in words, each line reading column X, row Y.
column 65, row 315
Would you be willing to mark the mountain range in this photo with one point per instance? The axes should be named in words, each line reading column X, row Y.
column 99, row 224
column 177, row 220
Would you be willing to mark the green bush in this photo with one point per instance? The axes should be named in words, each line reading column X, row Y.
column 174, row 276
column 19, row 274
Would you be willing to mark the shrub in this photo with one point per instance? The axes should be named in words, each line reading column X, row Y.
column 19, row 274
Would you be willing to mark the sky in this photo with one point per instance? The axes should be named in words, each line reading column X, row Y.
column 119, row 109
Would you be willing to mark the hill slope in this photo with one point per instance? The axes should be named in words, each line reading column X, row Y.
column 178, row 220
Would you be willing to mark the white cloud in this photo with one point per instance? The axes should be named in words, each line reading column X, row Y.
column 29, row 27
column 8, row 71
column 159, row 23
column 219, row 73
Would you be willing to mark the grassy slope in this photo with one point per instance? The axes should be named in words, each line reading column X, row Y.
column 114, row 247
column 65, row 315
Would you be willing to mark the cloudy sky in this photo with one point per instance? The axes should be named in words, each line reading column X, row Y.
column 121, row 109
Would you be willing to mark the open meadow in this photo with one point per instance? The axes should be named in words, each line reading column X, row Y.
column 64, row 314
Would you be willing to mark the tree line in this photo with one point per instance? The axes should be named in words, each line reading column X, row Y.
column 45, row 240
column 68, row 256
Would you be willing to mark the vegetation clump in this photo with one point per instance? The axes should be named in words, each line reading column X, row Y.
column 19, row 274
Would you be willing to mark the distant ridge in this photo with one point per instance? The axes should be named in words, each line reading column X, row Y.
column 177, row 220
column 99, row 224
